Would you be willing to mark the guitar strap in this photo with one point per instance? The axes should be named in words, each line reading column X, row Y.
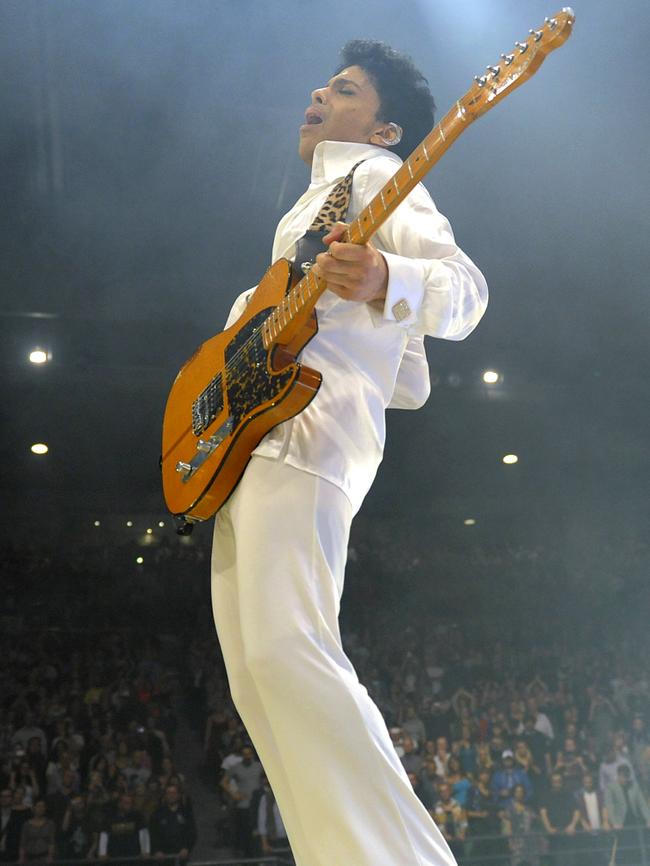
column 334, row 209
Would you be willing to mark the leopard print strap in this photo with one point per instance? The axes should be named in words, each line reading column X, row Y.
column 336, row 205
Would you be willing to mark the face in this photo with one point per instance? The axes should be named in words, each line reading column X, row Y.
column 171, row 795
column 344, row 110
column 520, row 793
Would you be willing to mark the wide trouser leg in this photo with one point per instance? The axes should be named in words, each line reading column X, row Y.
column 280, row 549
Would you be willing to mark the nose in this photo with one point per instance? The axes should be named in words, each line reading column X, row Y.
column 318, row 96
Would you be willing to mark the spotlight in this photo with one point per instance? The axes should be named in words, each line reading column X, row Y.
column 510, row 459
column 149, row 531
column 469, row 521
column 491, row 377
column 39, row 448
column 97, row 523
column 161, row 523
column 129, row 523
column 140, row 560
column 39, row 356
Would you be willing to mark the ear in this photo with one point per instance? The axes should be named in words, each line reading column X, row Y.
column 387, row 135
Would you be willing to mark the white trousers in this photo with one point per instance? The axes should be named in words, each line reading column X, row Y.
column 278, row 561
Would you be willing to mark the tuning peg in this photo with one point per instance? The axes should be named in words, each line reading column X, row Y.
column 551, row 22
column 481, row 80
column 495, row 70
column 507, row 58
column 522, row 46
column 536, row 34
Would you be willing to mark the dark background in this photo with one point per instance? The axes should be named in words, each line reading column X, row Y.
column 147, row 150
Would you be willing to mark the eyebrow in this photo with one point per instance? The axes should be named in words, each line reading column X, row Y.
column 337, row 80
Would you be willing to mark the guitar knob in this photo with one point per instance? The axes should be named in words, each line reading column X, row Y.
column 507, row 58
column 305, row 267
column 522, row 46
column 536, row 34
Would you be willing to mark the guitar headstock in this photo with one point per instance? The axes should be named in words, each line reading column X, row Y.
column 513, row 69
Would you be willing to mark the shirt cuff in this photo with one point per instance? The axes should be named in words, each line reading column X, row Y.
column 405, row 290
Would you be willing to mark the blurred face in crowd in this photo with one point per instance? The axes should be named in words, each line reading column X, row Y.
column 588, row 782
column 77, row 805
column 556, row 782
column 19, row 795
column 519, row 793
column 441, row 744
column 408, row 745
column 125, row 803
column 40, row 809
column 569, row 747
column 172, row 797
column 445, row 792
column 484, row 778
column 247, row 755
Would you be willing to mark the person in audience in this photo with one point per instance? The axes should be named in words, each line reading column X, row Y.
column 609, row 767
column 451, row 818
column 125, row 833
column 270, row 829
column 625, row 802
column 11, row 823
column 78, row 837
column 504, row 780
column 239, row 783
column 459, row 781
column 521, row 825
column 482, row 820
column 37, row 837
column 411, row 760
column 172, row 827
column 560, row 817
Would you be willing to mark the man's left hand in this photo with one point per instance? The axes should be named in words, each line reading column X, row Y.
column 354, row 272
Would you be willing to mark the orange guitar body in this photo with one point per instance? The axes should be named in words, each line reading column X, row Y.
column 225, row 399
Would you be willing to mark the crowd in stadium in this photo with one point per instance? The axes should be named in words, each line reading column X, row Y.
column 86, row 737
column 528, row 744
column 523, row 755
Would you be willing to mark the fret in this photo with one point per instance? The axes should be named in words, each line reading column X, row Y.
column 381, row 195
column 395, row 184
column 442, row 133
column 424, row 148
column 408, row 165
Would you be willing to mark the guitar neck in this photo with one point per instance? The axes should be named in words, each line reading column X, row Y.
column 489, row 89
column 301, row 299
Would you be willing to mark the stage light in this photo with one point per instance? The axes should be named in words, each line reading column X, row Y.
column 469, row 521
column 39, row 356
column 149, row 531
column 140, row 560
column 39, row 448
column 510, row 459
column 161, row 523
column 129, row 523
column 97, row 523
column 491, row 377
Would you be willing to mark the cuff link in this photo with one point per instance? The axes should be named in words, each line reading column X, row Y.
column 401, row 310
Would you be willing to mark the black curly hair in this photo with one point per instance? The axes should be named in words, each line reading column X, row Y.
column 404, row 95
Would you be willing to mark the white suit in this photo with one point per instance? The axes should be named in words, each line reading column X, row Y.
column 280, row 542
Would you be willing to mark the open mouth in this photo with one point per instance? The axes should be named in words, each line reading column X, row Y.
column 312, row 118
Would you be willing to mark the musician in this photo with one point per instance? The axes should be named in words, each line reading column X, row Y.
column 280, row 541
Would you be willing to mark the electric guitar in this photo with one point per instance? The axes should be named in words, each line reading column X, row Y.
column 243, row 382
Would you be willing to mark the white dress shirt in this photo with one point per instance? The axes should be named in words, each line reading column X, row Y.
column 371, row 355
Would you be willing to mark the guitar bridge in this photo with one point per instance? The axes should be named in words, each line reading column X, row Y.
column 205, row 448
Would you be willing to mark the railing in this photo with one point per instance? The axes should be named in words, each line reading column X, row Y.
column 627, row 847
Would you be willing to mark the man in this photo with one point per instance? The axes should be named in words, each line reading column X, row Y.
column 560, row 816
column 280, row 542
column 451, row 818
column 125, row 833
column 11, row 822
column 628, row 812
column 172, row 829
column 504, row 780
column 240, row 783
column 270, row 829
